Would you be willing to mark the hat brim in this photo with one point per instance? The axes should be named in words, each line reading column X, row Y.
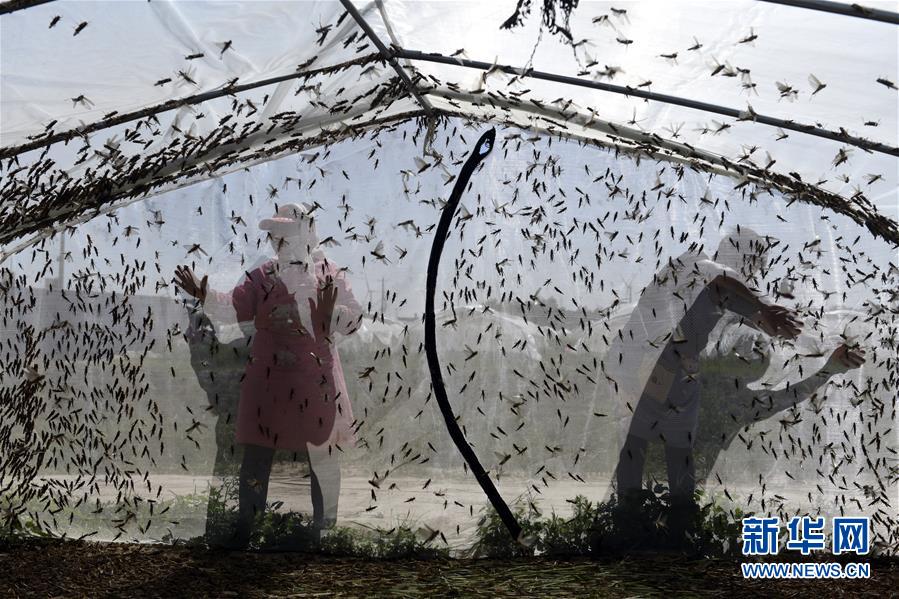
column 277, row 222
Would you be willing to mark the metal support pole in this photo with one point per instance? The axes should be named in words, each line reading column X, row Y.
column 839, row 8
column 14, row 5
column 388, row 56
column 859, row 142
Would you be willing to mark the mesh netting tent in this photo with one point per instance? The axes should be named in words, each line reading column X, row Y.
column 649, row 158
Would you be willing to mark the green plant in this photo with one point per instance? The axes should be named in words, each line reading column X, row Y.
column 493, row 537
column 399, row 542
column 719, row 529
column 643, row 521
column 19, row 529
column 571, row 536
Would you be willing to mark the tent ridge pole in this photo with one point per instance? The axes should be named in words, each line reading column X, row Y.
column 15, row 5
column 865, row 144
column 389, row 56
column 57, row 222
column 839, row 8
column 227, row 90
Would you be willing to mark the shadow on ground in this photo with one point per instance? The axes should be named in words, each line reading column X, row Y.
column 67, row 569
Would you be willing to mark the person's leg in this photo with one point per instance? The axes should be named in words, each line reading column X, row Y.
column 325, row 485
column 254, row 476
column 630, row 465
column 628, row 519
column 681, row 472
column 682, row 485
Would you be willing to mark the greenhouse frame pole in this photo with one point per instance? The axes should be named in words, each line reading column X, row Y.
column 16, row 5
column 859, row 142
column 227, row 90
column 388, row 56
column 839, row 8
column 481, row 149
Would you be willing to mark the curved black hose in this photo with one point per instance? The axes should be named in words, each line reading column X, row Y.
column 482, row 149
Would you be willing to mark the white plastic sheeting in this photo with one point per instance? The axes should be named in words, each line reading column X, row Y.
column 56, row 82
column 128, row 47
column 554, row 245
column 846, row 54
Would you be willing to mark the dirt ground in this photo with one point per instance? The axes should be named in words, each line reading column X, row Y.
column 74, row 569
column 429, row 506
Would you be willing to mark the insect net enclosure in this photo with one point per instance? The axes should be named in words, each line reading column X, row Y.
column 645, row 153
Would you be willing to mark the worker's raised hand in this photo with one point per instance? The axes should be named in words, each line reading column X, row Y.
column 188, row 282
column 779, row 321
column 845, row 358
column 321, row 310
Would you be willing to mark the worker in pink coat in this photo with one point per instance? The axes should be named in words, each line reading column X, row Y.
column 293, row 395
